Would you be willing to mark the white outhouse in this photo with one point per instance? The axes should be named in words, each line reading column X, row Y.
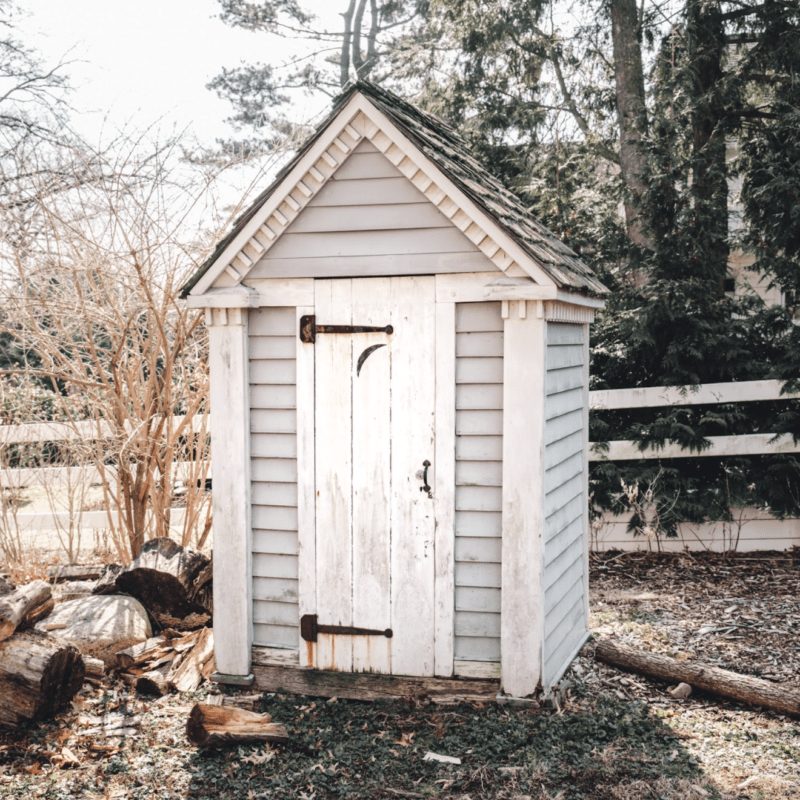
column 399, row 376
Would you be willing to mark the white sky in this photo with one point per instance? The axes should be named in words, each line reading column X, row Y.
column 141, row 61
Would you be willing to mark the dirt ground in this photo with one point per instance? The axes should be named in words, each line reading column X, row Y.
column 614, row 736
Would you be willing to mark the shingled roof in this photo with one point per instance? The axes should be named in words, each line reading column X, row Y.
column 444, row 147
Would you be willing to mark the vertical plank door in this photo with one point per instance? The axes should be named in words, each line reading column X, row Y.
column 375, row 409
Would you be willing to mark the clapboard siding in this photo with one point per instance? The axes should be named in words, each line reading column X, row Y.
column 564, row 623
column 479, row 468
column 273, row 471
column 369, row 219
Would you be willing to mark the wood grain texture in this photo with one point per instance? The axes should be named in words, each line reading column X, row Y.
column 444, row 489
column 230, row 443
column 742, row 688
column 413, row 411
column 333, row 465
column 222, row 725
column 363, row 686
column 371, row 465
column 306, row 483
column 25, row 605
column 39, row 675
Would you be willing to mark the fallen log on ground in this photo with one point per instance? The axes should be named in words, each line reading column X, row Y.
column 742, row 688
column 39, row 675
column 75, row 572
column 24, row 606
column 214, row 725
column 162, row 577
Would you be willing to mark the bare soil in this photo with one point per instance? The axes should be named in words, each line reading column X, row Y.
column 613, row 736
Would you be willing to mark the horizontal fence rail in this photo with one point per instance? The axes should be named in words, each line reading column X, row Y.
column 92, row 520
column 81, row 430
column 705, row 394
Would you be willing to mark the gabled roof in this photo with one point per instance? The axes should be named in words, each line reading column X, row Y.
column 440, row 165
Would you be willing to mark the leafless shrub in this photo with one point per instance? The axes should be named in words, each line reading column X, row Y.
column 89, row 291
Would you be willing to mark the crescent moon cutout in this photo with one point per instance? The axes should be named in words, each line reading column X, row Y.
column 365, row 355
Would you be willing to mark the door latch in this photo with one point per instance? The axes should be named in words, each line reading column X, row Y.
column 423, row 476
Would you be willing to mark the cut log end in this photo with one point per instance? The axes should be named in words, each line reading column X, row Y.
column 24, row 607
column 39, row 675
column 217, row 725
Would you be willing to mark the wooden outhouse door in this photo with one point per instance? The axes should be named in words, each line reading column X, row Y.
column 374, row 430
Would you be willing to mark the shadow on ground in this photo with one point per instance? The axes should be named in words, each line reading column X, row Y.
column 595, row 748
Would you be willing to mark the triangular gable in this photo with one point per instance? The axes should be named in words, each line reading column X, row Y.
column 359, row 120
column 368, row 219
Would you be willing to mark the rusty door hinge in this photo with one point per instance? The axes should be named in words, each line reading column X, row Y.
column 309, row 329
column 309, row 628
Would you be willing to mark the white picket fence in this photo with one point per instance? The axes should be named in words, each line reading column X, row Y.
column 752, row 529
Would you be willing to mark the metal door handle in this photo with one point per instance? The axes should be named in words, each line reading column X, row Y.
column 425, row 487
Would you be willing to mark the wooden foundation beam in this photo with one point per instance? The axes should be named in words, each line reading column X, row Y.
column 367, row 686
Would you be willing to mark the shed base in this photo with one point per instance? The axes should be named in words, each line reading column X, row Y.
column 232, row 680
column 277, row 673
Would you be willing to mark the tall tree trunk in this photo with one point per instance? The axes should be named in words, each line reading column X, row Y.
column 632, row 112
column 705, row 36
column 358, row 58
column 347, row 39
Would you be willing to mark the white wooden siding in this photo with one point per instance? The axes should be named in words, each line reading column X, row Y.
column 479, row 467
column 273, row 444
column 369, row 219
column 564, row 608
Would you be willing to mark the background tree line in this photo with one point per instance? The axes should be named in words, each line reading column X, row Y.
column 623, row 126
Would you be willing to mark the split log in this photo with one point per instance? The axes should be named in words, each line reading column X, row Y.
column 721, row 682
column 162, row 578
column 24, row 607
column 152, row 648
column 153, row 682
column 215, row 725
column 39, row 675
column 195, row 665
column 95, row 669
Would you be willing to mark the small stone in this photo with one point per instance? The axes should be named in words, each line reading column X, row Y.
column 681, row 691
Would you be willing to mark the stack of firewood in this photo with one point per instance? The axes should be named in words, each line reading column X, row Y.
column 172, row 661
column 39, row 674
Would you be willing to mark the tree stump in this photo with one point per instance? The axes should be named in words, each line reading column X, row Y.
column 162, row 578
column 39, row 675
